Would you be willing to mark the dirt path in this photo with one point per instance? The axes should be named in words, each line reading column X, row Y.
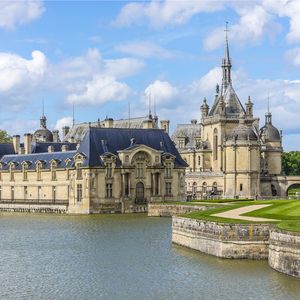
column 236, row 213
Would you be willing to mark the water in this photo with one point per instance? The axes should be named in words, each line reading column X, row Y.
column 121, row 257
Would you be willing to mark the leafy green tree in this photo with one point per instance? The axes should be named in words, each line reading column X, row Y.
column 291, row 163
column 4, row 137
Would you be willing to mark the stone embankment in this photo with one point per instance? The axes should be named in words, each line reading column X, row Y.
column 221, row 239
column 34, row 208
column 169, row 210
column 284, row 251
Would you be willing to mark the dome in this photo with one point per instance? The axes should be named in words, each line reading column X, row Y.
column 243, row 132
column 43, row 135
column 271, row 132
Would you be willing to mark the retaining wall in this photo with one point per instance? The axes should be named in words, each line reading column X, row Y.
column 284, row 251
column 34, row 208
column 169, row 210
column 222, row 240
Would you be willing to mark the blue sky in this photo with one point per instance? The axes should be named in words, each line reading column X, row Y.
column 100, row 55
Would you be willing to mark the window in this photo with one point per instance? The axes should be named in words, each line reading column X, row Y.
column 215, row 144
column 109, row 170
column 199, row 160
column 25, row 192
column 38, row 171
column 168, row 188
column 126, row 184
column 139, row 170
column 204, row 188
column 39, row 193
column 53, row 171
column 181, row 143
column 79, row 192
column 12, row 177
column 12, row 193
column 24, row 169
column 54, row 193
column 79, row 171
column 241, row 187
column 156, row 183
column 168, row 169
column 109, row 190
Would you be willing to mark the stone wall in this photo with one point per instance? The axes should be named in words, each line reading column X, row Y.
column 284, row 251
column 222, row 240
column 169, row 210
column 34, row 208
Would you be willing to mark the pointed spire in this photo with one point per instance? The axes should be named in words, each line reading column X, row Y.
column 268, row 114
column 43, row 119
column 226, row 63
column 73, row 121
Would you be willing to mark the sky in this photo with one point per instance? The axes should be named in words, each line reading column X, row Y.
column 102, row 55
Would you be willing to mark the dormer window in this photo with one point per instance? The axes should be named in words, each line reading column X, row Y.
column 53, row 171
column 24, row 170
column 11, row 172
column 38, row 171
column 181, row 143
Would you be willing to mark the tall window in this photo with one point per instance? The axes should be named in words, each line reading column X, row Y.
column 79, row 170
column 109, row 170
column 25, row 192
column 54, row 193
column 39, row 193
column 199, row 160
column 204, row 188
column 11, row 172
column 24, row 169
column 38, row 171
column 181, row 143
column 168, row 169
column 241, row 187
column 215, row 144
column 156, row 183
column 79, row 192
column 139, row 170
column 126, row 184
column 53, row 171
column 168, row 188
column 12, row 193
column 109, row 190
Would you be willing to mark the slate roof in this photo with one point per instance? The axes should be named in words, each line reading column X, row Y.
column 6, row 148
column 188, row 131
column 43, row 147
column 46, row 157
column 98, row 141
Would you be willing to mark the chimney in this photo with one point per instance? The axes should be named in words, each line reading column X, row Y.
column 165, row 125
column 65, row 130
column 64, row 148
column 50, row 149
column 109, row 123
column 56, row 136
column 16, row 143
column 21, row 150
column 27, row 142
column 148, row 124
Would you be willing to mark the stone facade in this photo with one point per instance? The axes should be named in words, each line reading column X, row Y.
column 228, row 154
column 110, row 170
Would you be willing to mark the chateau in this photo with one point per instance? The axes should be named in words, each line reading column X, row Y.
column 107, row 169
column 228, row 154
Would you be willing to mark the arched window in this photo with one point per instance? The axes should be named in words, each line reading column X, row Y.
column 194, row 189
column 38, row 171
column 53, row 171
column 24, row 170
column 215, row 144
column 204, row 188
column 214, row 188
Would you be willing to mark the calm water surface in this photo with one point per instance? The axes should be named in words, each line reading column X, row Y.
column 121, row 257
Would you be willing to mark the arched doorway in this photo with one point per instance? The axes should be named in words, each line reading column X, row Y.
column 140, row 193
column 294, row 190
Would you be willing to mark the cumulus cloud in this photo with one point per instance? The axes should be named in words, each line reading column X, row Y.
column 18, row 126
column 65, row 121
column 160, row 13
column 14, row 13
column 99, row 90
column 293, row 55
column 145, row 49
column 160, row 92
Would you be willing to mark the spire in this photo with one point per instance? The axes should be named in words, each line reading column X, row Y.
column 73, row 121
column 268, row 114
column 43, row 119
column 226, row 63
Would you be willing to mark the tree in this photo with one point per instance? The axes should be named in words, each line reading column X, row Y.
column 4, row 137
column 291, row 163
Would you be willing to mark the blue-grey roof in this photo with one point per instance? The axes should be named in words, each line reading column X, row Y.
column 60, row 157
column 98, row 141
column 40, row 147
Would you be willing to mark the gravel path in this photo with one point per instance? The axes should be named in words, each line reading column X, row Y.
column 236, row 213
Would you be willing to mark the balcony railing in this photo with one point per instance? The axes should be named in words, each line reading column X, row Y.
column 35, row 201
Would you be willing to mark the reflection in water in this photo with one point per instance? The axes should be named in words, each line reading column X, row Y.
column 121, row 257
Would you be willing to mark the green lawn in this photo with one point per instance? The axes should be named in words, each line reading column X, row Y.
column 287, row 212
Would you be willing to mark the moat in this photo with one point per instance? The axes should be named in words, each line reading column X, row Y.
column 121, row 257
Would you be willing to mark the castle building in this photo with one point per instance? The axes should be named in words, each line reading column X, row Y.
column 107, row 170
column 227, row 153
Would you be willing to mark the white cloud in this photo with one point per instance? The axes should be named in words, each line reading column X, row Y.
column 99, row 90
column 16, row 71
column 293, row 56
column 254, row 23
column 122, row 67
column 145, row 49
column 65, row 121
column 19, row 126
column 14, row 13
column 160, row 92
column 160, row 13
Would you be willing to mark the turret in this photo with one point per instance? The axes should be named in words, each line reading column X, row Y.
column 204, row 109
column 249, row 108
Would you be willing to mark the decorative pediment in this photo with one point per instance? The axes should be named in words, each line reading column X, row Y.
column 79, row 156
